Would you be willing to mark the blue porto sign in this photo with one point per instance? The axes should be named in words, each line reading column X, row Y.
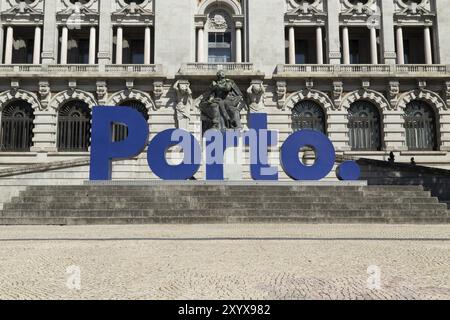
column 258, row 138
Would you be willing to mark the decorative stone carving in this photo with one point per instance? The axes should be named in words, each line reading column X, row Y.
column 408, row 7
column 425, row 95
column 158, row 91
column 421, row 84
column 304, row 6
column 72, row 86
column 184, row 103
column 102, row 92
column 72, row 94
column 365, row 84
column 14, row 86
column 132, row 94
column 21, row 8
column 19, row 94
column 133, row 9
column 44, row 93
column 338, row 90
column 319, row 97
column 281, row 93
column 255, row 94
column 219, row 21
column 393, row 93
column 358, row 7
column 373, row 96
column 447, row 93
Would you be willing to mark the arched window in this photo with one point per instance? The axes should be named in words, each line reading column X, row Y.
column 308, row 115
column 74, row 126
column 17, row 126
column 364, row 126
column 420, row 126
column 120, row 132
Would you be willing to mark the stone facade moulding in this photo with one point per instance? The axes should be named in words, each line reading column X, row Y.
column 24, row 12
column 72, row 94
column 302, row 12
column 207, row 5
column 432, row 98
column 319, row 97
column 377, row 98
column 133, row 94
column 19, row 94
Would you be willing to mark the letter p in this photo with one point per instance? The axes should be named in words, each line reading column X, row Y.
column 104, row 150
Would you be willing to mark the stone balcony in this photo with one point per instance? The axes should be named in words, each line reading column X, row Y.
column 208, row 70
column 362, row 70
column 234, row 70
column 83, row 71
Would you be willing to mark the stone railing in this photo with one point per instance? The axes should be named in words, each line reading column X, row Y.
column 423, row 68
column 73, row 68
column 362, row 69
column 80, row 69
column 20, row 68
column 147, row 68
column 211, row 67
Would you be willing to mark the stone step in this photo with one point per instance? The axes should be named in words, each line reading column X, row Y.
column 214, row 199
column 115, row 206
column 51, row 213
column 129, row 193
column 206, row 220
column 218, row 187
column 199, row 203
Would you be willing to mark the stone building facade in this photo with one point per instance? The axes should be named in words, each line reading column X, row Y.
column 371, row 74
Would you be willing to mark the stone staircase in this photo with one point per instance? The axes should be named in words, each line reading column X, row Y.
column 197, row 202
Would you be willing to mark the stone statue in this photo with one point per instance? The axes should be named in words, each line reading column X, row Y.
column 222, row 104
column 184, row 103
column 255, row 94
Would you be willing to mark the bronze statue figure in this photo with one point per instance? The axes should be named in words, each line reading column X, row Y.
column 222, row 104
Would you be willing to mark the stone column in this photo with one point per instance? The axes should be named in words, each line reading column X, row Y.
column 428, row 50
column 37, row 46
column 92, row 45
column 64, row 40
column 442, row 10
column 238, row 45
column 200, row 45
column 319, row 45
column 387, row 31
column 292, row 45
column 9, row 45
column 147, row 45
column 345, row 46
column 373, row 46
column 50, row 34
column 119, row 45
column 105, row 33
column 334, row 47
column 2, row 39
column 400, row 48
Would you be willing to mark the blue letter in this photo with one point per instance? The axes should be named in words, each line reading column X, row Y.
column 216, row 144
column 156, row 155
column 103, row 149
column 259, row 138
column 323, row 148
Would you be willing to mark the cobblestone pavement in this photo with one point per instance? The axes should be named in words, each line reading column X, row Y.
column 225, row 261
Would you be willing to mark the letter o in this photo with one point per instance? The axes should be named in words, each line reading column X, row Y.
column 323, row 148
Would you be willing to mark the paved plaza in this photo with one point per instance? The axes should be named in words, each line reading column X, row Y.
column 225, row 262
